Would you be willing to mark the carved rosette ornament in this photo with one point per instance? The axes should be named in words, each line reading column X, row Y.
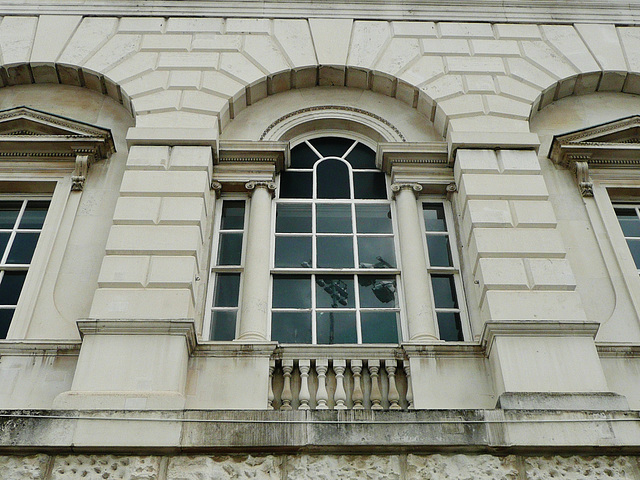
column 397, row 187
column 255, row 184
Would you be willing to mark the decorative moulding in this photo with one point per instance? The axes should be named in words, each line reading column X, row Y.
column 491, row 141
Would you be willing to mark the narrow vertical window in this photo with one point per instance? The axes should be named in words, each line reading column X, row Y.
column 226, row 271
column 629, row 218
column 21, row 223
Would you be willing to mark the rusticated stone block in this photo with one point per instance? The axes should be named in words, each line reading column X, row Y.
column 223, row 467
column 579, row 468
column 24, row 468
column 331, row 467
column 461, row 467
column 103, row 467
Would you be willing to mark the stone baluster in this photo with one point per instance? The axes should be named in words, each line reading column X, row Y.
column 304, row 366
column 340, row 395
column 287, row 396
column 376, row 395
column 322, row 365
column 357, row 396
column 270, row 396
column 394, row 397
column 407, row 372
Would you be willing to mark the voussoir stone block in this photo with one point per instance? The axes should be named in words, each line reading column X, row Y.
column 32, row 467
column 16, row 38
column 114, row 51
column 466, row 30
column 295, row 38
column 581, row 467
column 508, row 30
column 331, row 39
column 329, row 467
column 52, row 35
column 366, row 43
column 89, row 35
column 223, row 468
column 90, row 467
column 461, row 467
column 603, row 41
column 166, row 42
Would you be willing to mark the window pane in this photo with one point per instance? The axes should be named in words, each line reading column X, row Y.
column 377, row 292
column 232, row 215
column 34, row 214
column 293, row 252
column 444, row 291
column 292, row 291
column 439, row 255
column 302, row 156
column 335, row 252
column 293, row 218
column 4, row 239
column 333, row 218
column 376, row 252
column 296, row 184
column 634, row 246
column 9, row 213
column 22, row 249
column 362, row 157
column 629, row 222
column 336, row 327
column 226, row 290
column 333, row 179
column 223, row 325
column 11, row 286
column 434, row 220
column 335, row 292
column 291, row 327
column 371, row 185
column 5, row 320
column 332, row 146
column 374, row 219
column 450, row 326
column 379, row 327
column 230, row 249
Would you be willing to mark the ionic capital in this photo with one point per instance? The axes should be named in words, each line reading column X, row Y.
column 253, row 185
column 396, row 188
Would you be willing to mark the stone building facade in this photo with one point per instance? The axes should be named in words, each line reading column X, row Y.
column 319, row 240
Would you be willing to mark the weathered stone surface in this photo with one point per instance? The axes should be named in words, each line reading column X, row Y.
column 461, row 467
column 579, row 468
column 24, row 468
column 330, row 467
column 103, row 467
column 223, row 467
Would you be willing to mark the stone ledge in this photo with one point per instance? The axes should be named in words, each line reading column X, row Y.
column 598, row 401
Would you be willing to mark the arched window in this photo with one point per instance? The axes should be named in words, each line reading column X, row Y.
column 335, row 269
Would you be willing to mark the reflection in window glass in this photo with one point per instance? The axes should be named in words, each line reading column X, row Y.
column 336, row 327
column 293, row 252
column 291, row 327
column 374, row 218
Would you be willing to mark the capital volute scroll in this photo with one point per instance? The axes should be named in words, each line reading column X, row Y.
column 216, row 187
column 396, row 188
column 253, row 185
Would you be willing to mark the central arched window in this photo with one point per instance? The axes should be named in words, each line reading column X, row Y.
column 335, row 268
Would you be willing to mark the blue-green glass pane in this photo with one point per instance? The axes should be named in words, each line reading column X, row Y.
column 11, row 286
column 226, row 290
column 629, row 221
column 377, row 291
column 5, row 321
column 332, row 146
column 223, row 325
column 379, row 327
column 334, row 252
column 230, row 249
column 296, row 184
column 291, row 291
column 232, row 215
column 291, row 327
column 9, row 213
column 634, row 247
column 22, row 248
column 293, row 218
column 439, row 253
column 434, row 220
column 376, row 252
column 370, row 185
column 374, row 219
column 362, row 157
column 444, row 291
column 302, row 156
column 4, row 239
column 34, row 214
column 450, row 326
column 336, row 327
column 293, row 252
column 333, row 218
column 335, row 292
column 332, row 177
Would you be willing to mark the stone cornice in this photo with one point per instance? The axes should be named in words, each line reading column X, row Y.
column 519, row 11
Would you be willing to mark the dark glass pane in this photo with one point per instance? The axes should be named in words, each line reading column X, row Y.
column 5, row 320
column 370, row 185
column 336, row 327
column 333, row 218
column 376, row 252
column 293, row 252
column 296, row 184
column 302, row 156
column 450, row 326
column 629, row 222
column 332, row 146
column 11, row 286
column 230, row 249
column 439, row 255
column 335, row 252
column 4, row 239
column 333, row 179
column 634, row 246
column 9, row 213
column 232, row 215
column 362, row 157
column 22, row 248
column 373, row 219
column 223, row 325
column 434, row 220
column 33, row 216
column 293, row 218
column 291, row 291
column 226, row 290
column 291, row 327
column 444, row 291
column 335, row 292
column 377, row 292
column 379, row 327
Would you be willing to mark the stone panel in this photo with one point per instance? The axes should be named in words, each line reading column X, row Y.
column 331, row 467
column 461, row 467
column 103, row 467
column 223, row 468
column 24, row 468
column 579, row 468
